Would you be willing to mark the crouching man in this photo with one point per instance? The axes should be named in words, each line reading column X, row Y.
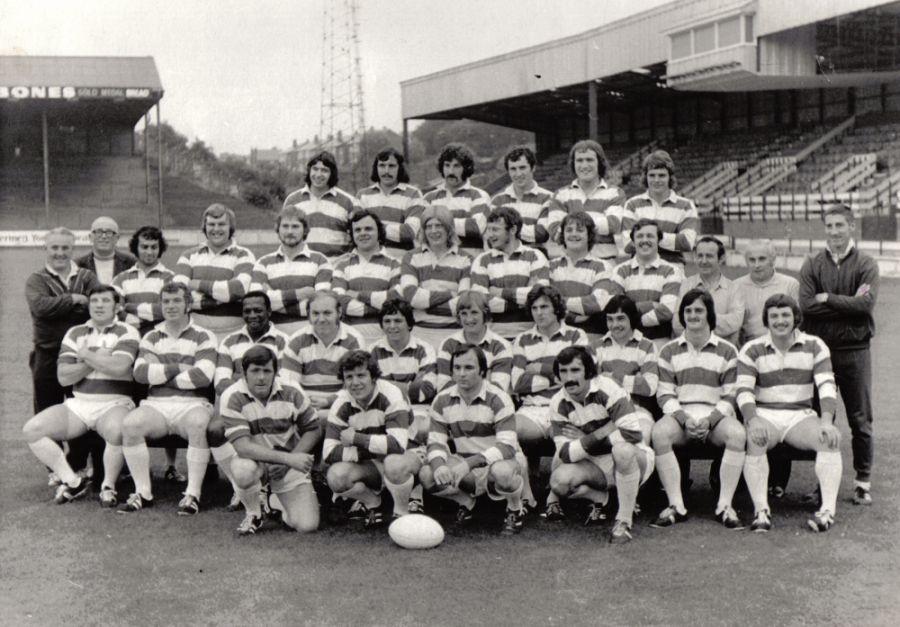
column 479, row 419
column 274, row 431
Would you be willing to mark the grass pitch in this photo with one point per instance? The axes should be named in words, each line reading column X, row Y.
column 78, row 564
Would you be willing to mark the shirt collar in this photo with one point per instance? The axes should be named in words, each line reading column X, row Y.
column 341, row 334
column 482, row 393
column 466, row 185
column 276, row 388
column 796, row 339
column 713, row 340
column 161, row 326
column 90, row 323
column 635, row 264
column 602, row 185
column 453, row 248
column 636, row 337
column 850, row 246
column 270, row 333
column 308, row 191
column 721, row 283
column 672, row 197
column 303, row 250
column 560, row 331
column 231, row 245
column 73, row 269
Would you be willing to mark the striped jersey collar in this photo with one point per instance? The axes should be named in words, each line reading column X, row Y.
column 157, row 268
column 302, row 251
column 713, row 339
column 593, row 386
column 601, row 185
column 799, row 337
column 590, row 257
column 378, row 391
column 272, row 333
column 535, row 189
column 276, row 389
column 519, row 247
column 96, row 327
column 671, row 198
column 636, row 337
column 412, row 343
column 161, row 327
column 635, row 264
column 466, row 185
column 232, row 245
column 562, row 330
column 482, row 393
column 331, row 191
column 453, row 248
column 400, row 188
column 342, row 334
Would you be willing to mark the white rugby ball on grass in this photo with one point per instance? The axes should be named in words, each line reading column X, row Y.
column 416, row 531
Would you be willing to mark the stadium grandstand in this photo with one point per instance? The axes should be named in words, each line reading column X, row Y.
column 767, row 107
column 69, row 151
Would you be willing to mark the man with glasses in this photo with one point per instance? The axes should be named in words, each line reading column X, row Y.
column 105, row 260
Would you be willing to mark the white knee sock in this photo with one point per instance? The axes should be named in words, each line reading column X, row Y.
column 138, row 459
column 52, row 456
column 514, row 496
column 222, row 455
column 197, row 460
column 670, row 477
column 250, row 499
column 627, row 486
column 400, row 493
column 729, row 475
column 756, row 473
column 828, row 470
column 112, row 464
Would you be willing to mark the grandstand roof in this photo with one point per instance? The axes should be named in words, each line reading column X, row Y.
column 81, row 72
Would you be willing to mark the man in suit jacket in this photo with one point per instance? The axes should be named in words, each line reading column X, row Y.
column 104, row 260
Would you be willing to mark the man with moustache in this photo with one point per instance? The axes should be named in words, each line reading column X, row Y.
column 525, row 196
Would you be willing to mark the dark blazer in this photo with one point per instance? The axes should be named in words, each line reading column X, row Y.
column 121, row 262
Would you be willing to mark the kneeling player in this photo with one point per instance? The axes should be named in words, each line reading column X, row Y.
column 777, row 374
column 598, row 440
column 274, row 430
column 479, row 419
column 366, row 426
column 96, row 357
column 177, row 359
column 697, row 372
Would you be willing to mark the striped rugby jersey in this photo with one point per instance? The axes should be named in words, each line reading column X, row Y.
column 232, row 349
column 118, row 338
column 676, row 218
column 161, row 358
column 584, row 285
column 512, row 275
column 224, row 277
column 140, row 288
column 364, row 285
column 533, row 207
column 632, row 365
column 533, row 347
column 430, row 284
column 308, row 361
column 278, row 423
column 328, row 218
column 605, row 205
column 416, row 362
column 381, row 426
column 469, row 207
column 400, row 211
column 497, row 351
column 768, row 378
column 690, row 376
column 605, row 410
column 485, row 427
column 280, row 278
column 655, row 285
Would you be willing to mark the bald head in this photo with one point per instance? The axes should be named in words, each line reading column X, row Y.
column 760, row 256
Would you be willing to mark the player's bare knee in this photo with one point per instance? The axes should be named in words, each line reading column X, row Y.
column 301, row 524
column 338, row 478
column 505, row 475
column 244, row 471
column 396, row 469
column 32, row 430
column 561, row 482
column 426, row 478
column 736, row 438
column 624, row 454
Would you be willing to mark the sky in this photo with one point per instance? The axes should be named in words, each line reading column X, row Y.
column 240, row 74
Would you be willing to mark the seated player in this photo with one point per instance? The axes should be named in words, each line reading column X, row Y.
column 408, row 363
column 474, row 316
column 256, row 309
column 96, row 358
column 598, row 440
column 696, row 393
column 630, row 359
column 274, row 431
column 367, row 424
column 778, row 375
column 478, row 419
column 177, row 359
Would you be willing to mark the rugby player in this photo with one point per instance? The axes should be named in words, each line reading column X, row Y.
column 525, row 196
column 96, row 358
column 696, row 393
column 478, row 419
column 598, row 440
column 777, row 377
column 367, row 424
column 177, row 359
column 274, row 431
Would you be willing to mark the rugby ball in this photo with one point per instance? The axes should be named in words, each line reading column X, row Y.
column 416, row 531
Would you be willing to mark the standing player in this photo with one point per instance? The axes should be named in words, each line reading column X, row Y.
column 507, row 271
column 759, row 284
column 433, row 275
column 676, row 216
column 696, row 393
column 838, row 290
column 96, row 358
column 177, row 359
column 777, row 376
column 525, row 196
column 274, row 430
column 650, row 282
column 467, row 205
column 590, row 192
column 398, row 204
column 367, row 424
column 366, row 277
column 291, row 275
column 598, row 440
column 326, row 206
column 709, row 255
column 105, row 260
column 313, row 353
column 217, row 272
column 477, row 418
column 581, row 278
column 474, row 316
